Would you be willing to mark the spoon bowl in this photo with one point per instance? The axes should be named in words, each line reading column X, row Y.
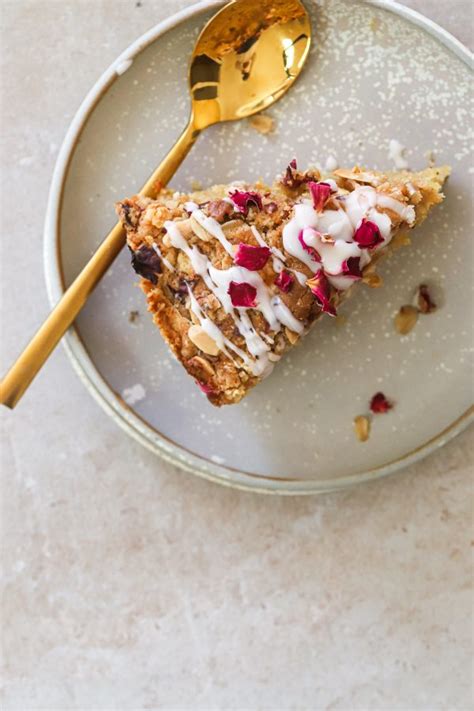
column 246, row 57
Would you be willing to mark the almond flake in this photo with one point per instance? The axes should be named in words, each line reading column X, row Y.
column 203, row 341
column 406, row 319
column 362, row 427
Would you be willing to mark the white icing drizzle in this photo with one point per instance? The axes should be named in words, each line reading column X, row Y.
column 218, row 282
column 165, row 261
column 278, row 258
column 341, row 225
column 214, row 228
column 190, row 206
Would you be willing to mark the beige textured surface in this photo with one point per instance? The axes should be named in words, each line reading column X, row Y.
column 130, row 585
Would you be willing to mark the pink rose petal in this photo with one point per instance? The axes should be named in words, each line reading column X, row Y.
column 351, row 268
column 307, row 248
column 244, row 199
column 250, row 257
column 321, row 289
column 284, row 281
column 379, row 404
column 204, row 387
column 319, row 193
column 242, row 294
column 367, row 235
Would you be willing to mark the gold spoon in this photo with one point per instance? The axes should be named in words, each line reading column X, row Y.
column 245, row 58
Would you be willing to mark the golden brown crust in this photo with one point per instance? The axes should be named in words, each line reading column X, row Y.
column 227, row 380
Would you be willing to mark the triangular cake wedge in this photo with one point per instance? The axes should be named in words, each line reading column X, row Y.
column 235, row 275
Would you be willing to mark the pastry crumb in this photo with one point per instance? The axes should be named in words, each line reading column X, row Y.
column 406, row 319
column 263, row 123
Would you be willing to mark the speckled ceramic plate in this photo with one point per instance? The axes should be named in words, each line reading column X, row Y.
column 376, row 72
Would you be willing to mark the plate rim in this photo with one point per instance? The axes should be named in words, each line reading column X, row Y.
column 76, row 350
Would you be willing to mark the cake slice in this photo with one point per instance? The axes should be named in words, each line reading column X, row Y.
column 235, row 275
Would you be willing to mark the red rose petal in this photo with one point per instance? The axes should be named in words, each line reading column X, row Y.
column 243, row 199
column 307, row 248
column 351, row 268
column 379, row 404
column 250, row 257
column 367, row 235
column 204, row 387
column 321, row 289
column 284, row 281
column 319, row 193
column 242, row 294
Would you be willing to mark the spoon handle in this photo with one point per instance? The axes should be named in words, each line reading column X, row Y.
column 61, row 317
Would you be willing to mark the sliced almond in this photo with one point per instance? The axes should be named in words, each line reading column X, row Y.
column 202, row 340
column 203, row 364
column 358, row 175
column 362, row 427
column 292, row 336
column 406, row 319
column 199, row 230
column 195, row 319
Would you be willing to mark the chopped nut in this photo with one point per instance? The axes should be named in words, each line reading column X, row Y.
column 372, row 280
column 220, row 209
column 195, row 319
column 202, row 340
column 362, row 427
column 262, row 123
column 133, row 316
column 183, row 263
column 406, row 319
column 292, row 336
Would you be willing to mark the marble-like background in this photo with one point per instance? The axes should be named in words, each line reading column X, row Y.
column 130, row 585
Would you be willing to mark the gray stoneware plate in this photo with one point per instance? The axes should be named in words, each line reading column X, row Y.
column 377, row 72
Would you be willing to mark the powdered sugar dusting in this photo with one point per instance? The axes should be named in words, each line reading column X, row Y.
column 370, row 87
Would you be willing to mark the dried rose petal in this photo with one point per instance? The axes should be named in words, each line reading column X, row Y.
column 351, row 268
column 291, row 179
column 379, row 404
column 307, row 248
column 367, row 235
column 425, row 303
column 321, row 289
column 146, row 263
column 250, row 257
column 204, row 387
column 284, row 281
column 242, row 294
column 320, row 192
column 243, row 199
